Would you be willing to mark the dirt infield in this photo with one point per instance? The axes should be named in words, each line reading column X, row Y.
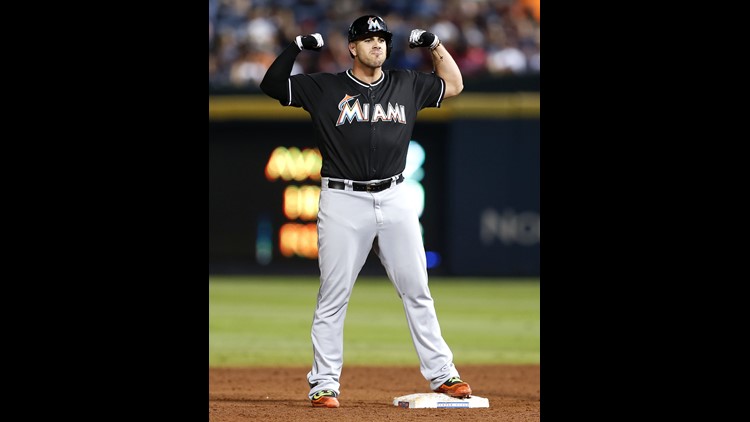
column 280, row 394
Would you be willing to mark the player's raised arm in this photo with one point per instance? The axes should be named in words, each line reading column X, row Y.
column 276, row 80
column 445, row 66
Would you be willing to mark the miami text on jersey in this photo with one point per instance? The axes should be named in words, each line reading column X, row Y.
column 361, row 112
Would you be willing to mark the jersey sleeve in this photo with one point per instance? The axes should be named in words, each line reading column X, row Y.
column 305, row 90
column 275, row 83
column 298, row 90
column 429, row 89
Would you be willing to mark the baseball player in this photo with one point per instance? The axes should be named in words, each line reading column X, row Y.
column 363, row 120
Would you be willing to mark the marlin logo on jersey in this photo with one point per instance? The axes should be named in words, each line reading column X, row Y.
column 361, row 112
column 373, row 24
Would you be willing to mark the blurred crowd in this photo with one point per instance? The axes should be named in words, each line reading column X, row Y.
column 486, row 37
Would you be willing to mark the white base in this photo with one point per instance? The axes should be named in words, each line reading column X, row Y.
column 438, row 400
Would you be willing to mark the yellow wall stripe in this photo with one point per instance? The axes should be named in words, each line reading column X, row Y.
column 467, row 106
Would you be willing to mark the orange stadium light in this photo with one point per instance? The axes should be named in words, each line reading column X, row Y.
column 299, row 239
column 301, row 202
column 294, row 164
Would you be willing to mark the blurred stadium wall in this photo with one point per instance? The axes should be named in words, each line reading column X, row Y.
column 474, row 166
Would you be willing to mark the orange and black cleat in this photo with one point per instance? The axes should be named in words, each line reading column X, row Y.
column 325, row 398
column 454, row 387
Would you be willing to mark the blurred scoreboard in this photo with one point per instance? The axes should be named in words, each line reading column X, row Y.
column 264, row 183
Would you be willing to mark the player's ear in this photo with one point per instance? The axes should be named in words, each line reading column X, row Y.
column 352, row 48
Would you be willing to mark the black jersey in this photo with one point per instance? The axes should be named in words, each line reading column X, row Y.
column 363, row 130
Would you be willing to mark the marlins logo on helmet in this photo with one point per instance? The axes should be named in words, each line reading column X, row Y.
column 373, row 24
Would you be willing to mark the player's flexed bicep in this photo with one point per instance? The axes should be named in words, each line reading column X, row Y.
column 276, row 82
column 443, row 62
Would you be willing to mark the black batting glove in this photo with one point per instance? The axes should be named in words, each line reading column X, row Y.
column 422, row 38
column 309, row 42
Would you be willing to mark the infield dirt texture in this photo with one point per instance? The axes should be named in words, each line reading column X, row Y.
column 260, row 351
column 280, row 394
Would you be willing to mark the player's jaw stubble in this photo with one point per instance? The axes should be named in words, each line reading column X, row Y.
column 371, row 59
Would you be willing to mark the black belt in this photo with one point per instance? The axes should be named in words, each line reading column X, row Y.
column 366, row 187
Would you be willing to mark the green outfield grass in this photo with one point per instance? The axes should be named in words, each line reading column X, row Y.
column 265, row 321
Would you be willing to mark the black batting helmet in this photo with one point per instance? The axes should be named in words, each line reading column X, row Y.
column 368, row 26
